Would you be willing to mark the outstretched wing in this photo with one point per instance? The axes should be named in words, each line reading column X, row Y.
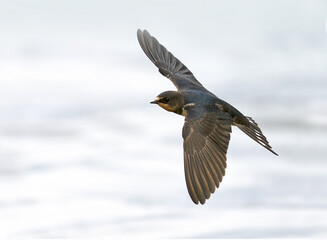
column 206, row 138
column 168, row 64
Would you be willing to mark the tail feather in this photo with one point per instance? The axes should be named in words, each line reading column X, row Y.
column 254, row 132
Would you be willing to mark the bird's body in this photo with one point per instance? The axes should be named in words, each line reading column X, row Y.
column 208, row 121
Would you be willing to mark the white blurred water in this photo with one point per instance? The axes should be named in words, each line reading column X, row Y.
column 83, row 153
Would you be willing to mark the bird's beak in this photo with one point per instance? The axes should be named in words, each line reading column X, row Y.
column 154, row 102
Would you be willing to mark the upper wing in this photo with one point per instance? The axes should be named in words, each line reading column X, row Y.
column 206, row 138
column 168, row 64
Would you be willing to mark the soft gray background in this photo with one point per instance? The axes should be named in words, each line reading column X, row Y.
column 83, row 154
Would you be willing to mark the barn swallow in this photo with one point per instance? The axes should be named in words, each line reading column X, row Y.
column 208, row 121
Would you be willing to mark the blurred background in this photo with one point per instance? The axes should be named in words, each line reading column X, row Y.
column 83, row 154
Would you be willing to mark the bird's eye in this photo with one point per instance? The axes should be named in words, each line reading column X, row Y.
column 165, row 100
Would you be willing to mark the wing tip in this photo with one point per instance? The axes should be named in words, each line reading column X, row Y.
column 142, row 34
column 197, row 201
column 139, row 33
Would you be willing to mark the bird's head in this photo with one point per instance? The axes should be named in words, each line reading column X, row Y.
column 171, row 101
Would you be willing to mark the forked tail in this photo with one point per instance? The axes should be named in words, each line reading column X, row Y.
column 254, row 132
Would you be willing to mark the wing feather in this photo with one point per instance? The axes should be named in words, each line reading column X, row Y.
column 168, row 64
column 202, row 176
column 213, row 168
column 196, row 181
column 208, row 173
column 188, row 177
column 206, row 140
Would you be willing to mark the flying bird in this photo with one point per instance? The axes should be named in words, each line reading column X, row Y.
column 208, row 121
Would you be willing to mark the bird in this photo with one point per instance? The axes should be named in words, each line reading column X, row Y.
column 208, row 121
